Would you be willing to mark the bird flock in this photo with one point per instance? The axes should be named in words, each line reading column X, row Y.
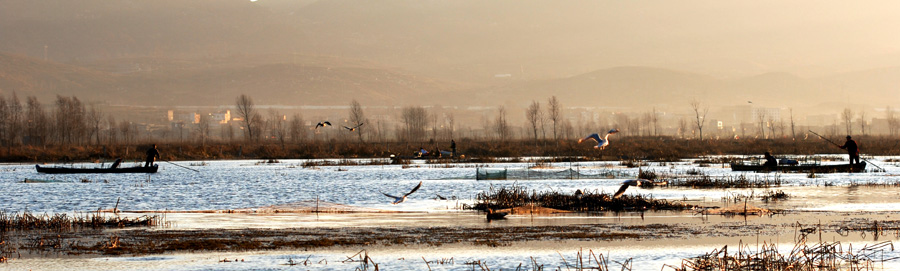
column 348, row 128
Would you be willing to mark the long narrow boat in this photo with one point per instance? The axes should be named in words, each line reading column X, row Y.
column 69, row 170
column 816, row 168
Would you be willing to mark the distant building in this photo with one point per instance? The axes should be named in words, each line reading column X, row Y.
column 183, row 117
column 220, row 117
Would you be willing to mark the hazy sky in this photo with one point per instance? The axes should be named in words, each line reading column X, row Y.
column 757, row 36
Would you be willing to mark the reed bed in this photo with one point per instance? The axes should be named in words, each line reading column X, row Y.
column 802, row 257
column 62, row 222
column 738, row 181
column 517, row 196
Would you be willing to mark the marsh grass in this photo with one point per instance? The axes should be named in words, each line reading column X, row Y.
column 802, row 257
column 62, row 222
column 737, row 181
column 517, row 196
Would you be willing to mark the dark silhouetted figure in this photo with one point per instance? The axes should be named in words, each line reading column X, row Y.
column 152, row 154
column 770, row 160
column 116, row 163
column 452, row 148
column 852, row 150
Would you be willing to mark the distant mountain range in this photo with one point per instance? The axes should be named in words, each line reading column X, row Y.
column 393, row 52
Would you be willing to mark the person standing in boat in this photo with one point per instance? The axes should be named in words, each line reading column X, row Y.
column 852, row 150
column 452, row 148
column 152, row 155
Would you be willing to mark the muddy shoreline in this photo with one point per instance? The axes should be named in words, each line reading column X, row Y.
column 649, row 227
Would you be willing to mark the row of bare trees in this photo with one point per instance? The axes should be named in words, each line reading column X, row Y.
column 68, row 122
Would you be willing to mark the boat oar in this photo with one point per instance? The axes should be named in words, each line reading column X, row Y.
column 836, row 144
column 181, row 166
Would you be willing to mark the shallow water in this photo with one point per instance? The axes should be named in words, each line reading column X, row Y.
column 229, row 185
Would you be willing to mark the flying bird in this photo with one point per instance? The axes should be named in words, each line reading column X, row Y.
column 628, row 183
column 323, row 124
column 601, row 143
column 397, row 199
column 353, row 128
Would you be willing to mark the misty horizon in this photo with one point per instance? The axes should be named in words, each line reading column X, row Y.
column 811, row 58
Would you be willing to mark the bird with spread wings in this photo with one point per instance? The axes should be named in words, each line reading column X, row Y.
column 323, row 124
column 628, row 183
column 601, row 142
column 398, row 200
column 351, row 129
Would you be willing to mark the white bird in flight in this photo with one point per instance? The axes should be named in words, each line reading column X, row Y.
column 397, row 199
column 601, row 143
column 628, row 183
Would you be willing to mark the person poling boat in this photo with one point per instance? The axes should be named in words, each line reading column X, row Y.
column 152, row 155
column 852, row 149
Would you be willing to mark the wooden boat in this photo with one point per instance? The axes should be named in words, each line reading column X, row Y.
column 69, row 170
column 816, row 168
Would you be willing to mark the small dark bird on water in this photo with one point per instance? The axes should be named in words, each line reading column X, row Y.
column 491, row 215
column 628, row 183
column 323, row 124
column 353, row 128
column 398, row 200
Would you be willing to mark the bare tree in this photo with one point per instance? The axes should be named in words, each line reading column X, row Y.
column 699, row 116
column 770, row 122
column 793, row 134
column 501, row 125
column 450, row 125
column 278, row 126
column 357, row 118
column 247, row 111
column 862, row 122
column 761, row 120
column 113, row 133
column 36, row 120
column 892, row 121
column 532, row 114
column 847, row 116
column 682, row 127
column 4, row 121
column 95, row 118
column 128, row 134
column 203, row 129
column 297, row 130
column 553, row 109
column 70, row 119
column 415, row 120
